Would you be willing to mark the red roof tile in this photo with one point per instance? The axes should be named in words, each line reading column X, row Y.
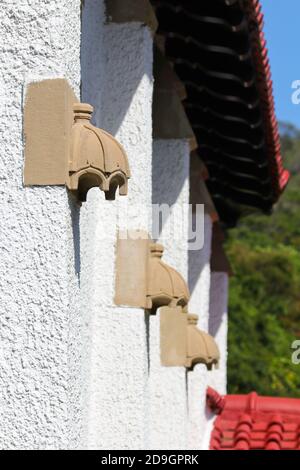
column 280, row 176
column 252, row 422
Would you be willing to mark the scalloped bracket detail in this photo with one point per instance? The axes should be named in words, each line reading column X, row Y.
column 62, row 147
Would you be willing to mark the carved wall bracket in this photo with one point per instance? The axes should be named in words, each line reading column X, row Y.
column 169, row 117
column 62, row 147
column 201, row 347
column 182, row 343
column 199, row 193
column 97, row 158
column 219, row 261
column 137, row 11
column 142, row 278
column 165, row 285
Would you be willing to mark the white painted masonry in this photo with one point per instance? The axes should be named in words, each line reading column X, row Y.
column 199, row 283
column 118, row 373
column 75, row 370
column 167, row 385
column 40, row 376
column 218, row 327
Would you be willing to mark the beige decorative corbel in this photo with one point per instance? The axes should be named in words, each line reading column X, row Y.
column 138, row 11
column 62, row 147
column 165, row 285
column 96, row 159
column 142, row 278
column 169, row 117
column 199, row 169
column 199, row 193
column 201, row 347
column 219, row 261
column 182, row 343
column 173, row 337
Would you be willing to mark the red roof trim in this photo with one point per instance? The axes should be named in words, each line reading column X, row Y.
column 248, row 422
column 279, row 175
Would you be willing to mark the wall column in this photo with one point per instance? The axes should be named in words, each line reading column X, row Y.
column 218, row 319
column 41, row 334
column 167, row 385
column 119, row 85
column 199, row 284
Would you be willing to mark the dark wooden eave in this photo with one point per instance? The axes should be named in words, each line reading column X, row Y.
column 218, row 50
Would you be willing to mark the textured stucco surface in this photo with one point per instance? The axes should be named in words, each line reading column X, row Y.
column 199, row 277
column 75, row 370
column 40, row 353
column 167, row 385
column 218, row 326
column 209, row 300
column 199, row 283
column 117, row 362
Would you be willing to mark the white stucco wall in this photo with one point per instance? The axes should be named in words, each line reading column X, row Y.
column 199, row 284
column 40, row 329
column 218, row 326
column 121, row 91
column 199, row 277
column 167, row 385
column 209, row 300
column 75, row 370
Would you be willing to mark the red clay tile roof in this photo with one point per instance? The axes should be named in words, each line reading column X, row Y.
column 251, row 422
column 280, row 176
column 218, row 51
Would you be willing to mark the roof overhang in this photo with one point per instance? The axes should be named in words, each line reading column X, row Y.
column 218, row 50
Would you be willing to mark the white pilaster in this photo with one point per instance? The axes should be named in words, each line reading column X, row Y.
column 167, row 385
column 199, row 283
column 40, row 353
column 218, row 326
column 121, row 92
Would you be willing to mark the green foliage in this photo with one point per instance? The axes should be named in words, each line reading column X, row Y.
column 264, row 300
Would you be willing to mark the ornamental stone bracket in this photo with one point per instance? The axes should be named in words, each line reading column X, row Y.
column 199, row 193
column 62, row 147
column 219, row 261
column 97, row 159
column 169, row 117
column 182, row 343
column 131, row 11
column 201, row 347
column 143, row 280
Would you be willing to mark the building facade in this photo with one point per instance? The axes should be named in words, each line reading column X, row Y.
column 77, row 370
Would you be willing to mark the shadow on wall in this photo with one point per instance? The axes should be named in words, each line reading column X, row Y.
column 218, row 301
column 107, row 54
column 170, row 157
column 198, row 259
column 167, row 159
column 75, row 217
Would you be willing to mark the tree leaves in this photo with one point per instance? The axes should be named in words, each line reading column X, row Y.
column 264, row 300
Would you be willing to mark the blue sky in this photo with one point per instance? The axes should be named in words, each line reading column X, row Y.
column 282, row 29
